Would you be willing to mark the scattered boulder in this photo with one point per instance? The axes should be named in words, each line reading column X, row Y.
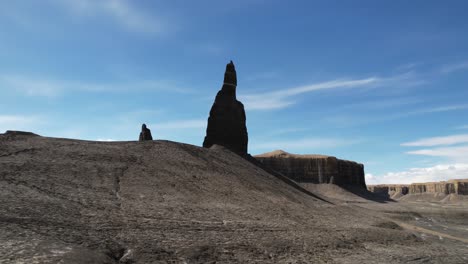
column 145, row 133
column 315, row 168
column 226, row 123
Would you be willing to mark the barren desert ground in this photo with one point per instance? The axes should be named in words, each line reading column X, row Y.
column 72, row 201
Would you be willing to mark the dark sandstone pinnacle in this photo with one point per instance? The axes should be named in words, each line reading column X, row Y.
column 145, row 133
column 226, row 124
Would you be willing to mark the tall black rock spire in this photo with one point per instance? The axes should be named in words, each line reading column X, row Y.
column 226, row 124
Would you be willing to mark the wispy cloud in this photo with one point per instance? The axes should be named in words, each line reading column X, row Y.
column 283, row 131
column 449, row 68
column 462, row 127
column 441, row 172
column 458, row 153
column 307, row 144
column 18, row 122
column 284, row 98
column 439, row 109
column 262, row 76
column 442, row 147
column 123, row 12
column 33, row 86
column 345, row 120
column 438, row 141
column 181, row 124
column 408, row 66
column 382, row 104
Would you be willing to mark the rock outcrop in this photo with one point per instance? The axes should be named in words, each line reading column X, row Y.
column 145, row 133
column 226, row 124
column 393, row 191
column 315, row 168
column 19, row 133
column 445, row 187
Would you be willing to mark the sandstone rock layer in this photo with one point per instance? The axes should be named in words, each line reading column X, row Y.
column 315, row 168
column 226, row 123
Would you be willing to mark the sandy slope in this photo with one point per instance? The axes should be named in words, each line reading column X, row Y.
column 73, row 201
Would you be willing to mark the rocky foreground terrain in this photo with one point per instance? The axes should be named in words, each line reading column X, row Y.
column 72, row 201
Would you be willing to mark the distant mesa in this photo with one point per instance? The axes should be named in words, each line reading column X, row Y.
column 145, row 133
column 315, row 168
column 396, row 191
column 226, row 123
column 20, row 133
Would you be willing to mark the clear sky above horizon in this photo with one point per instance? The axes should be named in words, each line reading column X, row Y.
column 383, row 83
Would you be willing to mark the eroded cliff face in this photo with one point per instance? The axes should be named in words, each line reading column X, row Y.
column 315, row 168
column 446, row 187
column 394, row 191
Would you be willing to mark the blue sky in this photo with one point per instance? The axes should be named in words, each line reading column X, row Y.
column 379, row 82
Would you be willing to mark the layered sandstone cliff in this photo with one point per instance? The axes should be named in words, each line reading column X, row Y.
column 315, row 168
column 459, row 186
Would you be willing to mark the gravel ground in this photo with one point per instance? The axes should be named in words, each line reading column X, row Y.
column 71, row 201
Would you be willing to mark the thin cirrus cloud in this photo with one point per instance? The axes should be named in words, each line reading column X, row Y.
column 440, row 109
column 18, row 122
column 31, row 86
column 454, row 67
column 438, row 141
column 302, row 144
column 122, row 12
column 458, row 153
column 436, row 173
column 345, row 120
column 181, row 124
column 284, row 98
column 442, row 147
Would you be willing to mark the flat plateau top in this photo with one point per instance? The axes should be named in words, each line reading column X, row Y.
column 418, row 183
column 284, row 154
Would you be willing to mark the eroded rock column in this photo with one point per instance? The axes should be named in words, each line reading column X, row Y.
column 226, row 124
column 145, row 133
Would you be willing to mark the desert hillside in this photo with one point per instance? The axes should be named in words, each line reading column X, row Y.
column 72, row 201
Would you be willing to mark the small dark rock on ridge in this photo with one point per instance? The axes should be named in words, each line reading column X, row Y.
column 145, row 133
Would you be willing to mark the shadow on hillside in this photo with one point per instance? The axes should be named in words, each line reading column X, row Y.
column 356, row 190
column 284, row 178
column 364, row 193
